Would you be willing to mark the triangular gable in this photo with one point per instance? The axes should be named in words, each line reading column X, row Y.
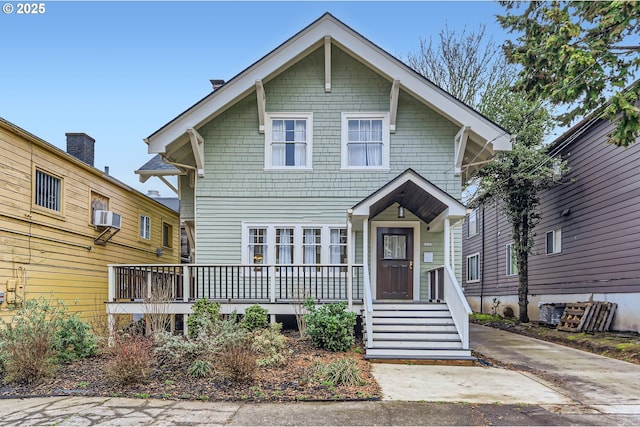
column 484, row 137
column 423, row 198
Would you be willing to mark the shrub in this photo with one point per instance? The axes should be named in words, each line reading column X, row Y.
column 74, row 339
column 175, row 351
column 40, row 336
column 330, row 326
column 343, row 371
column 255, row 317
column 269, row 345
column 237, row 362
column 204, row 313
column 131, row 359
column 200, row 369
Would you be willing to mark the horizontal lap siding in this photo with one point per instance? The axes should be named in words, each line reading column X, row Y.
column 600, row 235
column 49, row 252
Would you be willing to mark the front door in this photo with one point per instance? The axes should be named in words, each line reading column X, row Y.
column 394, row 254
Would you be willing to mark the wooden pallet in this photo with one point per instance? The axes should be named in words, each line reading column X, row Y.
column 589, row 316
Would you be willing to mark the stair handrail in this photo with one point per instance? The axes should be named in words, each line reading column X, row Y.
column 368, row 307
column 458, row 305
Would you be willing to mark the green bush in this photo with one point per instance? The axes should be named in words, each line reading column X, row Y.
column 204, row 313
column 39, row 337
column 255, row 317
column 74, row 339
column 269, row 344
column 330, row 326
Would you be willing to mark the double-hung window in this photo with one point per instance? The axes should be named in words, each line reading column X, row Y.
column 473, row 268
column 257, row 245
column 554, row 241
column 312, row 246
column 288, row 141
column 145, row 227
column 512, row 263
column 309, row 245
column 48, row 191
column 473, row 223
column 365, row 141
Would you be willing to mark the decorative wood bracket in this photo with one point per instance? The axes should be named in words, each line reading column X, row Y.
column 262, row 105
column 327, row 64
column 197, row 146
column 393, row 105
column 460, row 146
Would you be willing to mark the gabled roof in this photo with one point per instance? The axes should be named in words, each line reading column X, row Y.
column 415, row 193
column 478, row 139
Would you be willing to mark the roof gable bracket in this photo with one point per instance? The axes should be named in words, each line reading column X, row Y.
column 262, row 105
column 197, row 145
column 393, row 105
column 327, row 64
column 461, row 145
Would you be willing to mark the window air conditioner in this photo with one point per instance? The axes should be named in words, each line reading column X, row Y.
column 107, row 219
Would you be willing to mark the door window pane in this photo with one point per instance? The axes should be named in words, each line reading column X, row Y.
column 395, row 246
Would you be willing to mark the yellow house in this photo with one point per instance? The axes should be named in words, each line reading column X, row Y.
column 62, row 221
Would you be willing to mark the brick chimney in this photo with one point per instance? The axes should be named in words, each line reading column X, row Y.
column 80, row 146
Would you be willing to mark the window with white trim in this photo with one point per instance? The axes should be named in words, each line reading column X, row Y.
column 365, row 141
column 145, row 227
column 473, row 268
column 257, row 245
column 554, row 241
column 48, row 191
column 512, row 263
column 312, row 246
column 288, row 141
column 473, row 223
column 296, row 244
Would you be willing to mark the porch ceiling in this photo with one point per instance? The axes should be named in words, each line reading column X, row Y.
column 416, row 194
column 414, row 199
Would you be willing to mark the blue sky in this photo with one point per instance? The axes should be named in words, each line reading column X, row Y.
column 119, row 71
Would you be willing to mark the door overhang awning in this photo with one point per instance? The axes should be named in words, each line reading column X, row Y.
column 416, row 194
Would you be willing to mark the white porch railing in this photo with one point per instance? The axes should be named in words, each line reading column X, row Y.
column 458, row 305
column 240, row 283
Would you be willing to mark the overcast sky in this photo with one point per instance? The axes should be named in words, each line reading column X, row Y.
column 120, row 70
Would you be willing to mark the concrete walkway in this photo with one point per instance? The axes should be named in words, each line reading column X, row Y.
column 551, row 385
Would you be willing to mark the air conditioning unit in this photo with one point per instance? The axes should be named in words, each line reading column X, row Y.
column 107, row 219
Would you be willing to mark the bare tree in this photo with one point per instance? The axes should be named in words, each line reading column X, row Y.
column 464, row 64
column 156, row 305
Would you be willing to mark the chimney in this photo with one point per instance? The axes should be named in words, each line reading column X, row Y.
column 216, row 84
column 80, row 146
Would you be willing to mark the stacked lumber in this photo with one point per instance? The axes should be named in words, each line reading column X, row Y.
column 592, row 316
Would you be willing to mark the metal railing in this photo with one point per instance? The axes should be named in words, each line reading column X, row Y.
column 239, row 283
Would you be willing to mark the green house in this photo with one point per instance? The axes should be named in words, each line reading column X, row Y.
column 327, row 169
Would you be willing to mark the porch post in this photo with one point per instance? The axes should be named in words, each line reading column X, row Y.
column 186, row 279
column 365, row 249
column 112, row 283
column 447, row 242
column 349, row 260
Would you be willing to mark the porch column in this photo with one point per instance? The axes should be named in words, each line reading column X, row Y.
column 447, row 242
column 365, row 254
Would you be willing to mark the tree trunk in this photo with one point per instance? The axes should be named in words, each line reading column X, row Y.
column 522, row 238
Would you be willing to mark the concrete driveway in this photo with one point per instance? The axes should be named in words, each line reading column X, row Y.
column 584, row 388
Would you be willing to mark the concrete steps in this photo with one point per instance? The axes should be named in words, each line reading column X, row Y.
column 414, row 331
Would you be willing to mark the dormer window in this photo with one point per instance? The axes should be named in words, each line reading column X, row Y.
column 288, row 141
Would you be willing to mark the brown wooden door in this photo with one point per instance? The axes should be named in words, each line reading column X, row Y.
column 395, row 263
